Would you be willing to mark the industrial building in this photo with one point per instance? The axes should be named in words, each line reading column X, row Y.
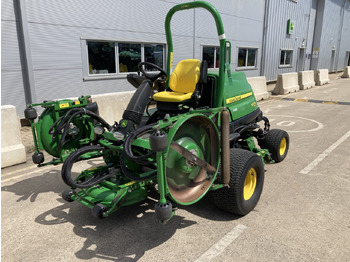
column 60, row 49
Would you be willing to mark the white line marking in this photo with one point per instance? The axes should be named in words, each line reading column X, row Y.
column 26, row 174
column 223, row 243
column 325, row 153
column 18, row 170
column 319, row 125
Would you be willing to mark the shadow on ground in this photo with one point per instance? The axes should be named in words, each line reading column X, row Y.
column 123, row 236
column 49, row 181
column 206, row 209
column 30, row 188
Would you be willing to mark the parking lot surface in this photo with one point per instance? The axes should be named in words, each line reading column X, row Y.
column 303, row 213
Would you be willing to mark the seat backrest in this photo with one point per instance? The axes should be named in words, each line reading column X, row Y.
column 185, row 76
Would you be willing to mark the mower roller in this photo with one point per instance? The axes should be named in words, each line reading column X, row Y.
column 202, row 137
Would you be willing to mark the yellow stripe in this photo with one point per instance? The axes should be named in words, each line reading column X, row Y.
column 237, row 98
column 301, row 100
column 330, row 102
column 171, row 60
column 130, row 183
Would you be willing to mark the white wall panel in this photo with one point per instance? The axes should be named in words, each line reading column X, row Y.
column 7, row 10
column 12, row 91
column 10, row 56
column 277, row 38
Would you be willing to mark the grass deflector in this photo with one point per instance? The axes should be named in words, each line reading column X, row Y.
column 202, row 137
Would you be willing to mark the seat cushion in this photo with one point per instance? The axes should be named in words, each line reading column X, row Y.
column 185, row 76
column 174, row 97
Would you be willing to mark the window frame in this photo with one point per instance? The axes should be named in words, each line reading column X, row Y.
column 85, row 57
column 238, row 68
column 347, row 58
column 216, row 47
column 291, row 58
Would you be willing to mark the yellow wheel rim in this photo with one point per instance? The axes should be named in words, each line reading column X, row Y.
column 283, row 146
column 249, row 184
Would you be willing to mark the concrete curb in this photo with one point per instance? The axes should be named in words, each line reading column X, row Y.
column 286, row 83
column 258, row 85
column 321, row 77
column 111, row 106
column 306, row 79
column 346, row 73
column 12, row 149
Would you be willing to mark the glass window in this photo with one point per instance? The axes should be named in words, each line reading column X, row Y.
column 217, row 57
column 154, row 54
column 129, row 57
column 286, row 57
column 212, row 55
column 110, row 58
column 247, row 57
column 101, row 57
column 242, row 57
column 209, row 55
column 251, row 57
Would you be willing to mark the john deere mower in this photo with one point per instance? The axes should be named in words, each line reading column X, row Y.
column 202, row 137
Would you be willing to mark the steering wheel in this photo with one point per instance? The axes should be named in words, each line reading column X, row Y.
column 151, row 75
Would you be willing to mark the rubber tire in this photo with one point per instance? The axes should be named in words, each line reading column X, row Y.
column 66, row 195
column 272, row 142
column 38, row 158
column 98, row 210
column 231, row 198
column 30, row 113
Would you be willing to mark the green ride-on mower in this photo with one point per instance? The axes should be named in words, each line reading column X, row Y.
column 201, row 137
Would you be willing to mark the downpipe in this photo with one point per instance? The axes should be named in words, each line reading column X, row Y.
column 225, row 147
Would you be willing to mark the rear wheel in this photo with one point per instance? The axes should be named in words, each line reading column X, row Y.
column 246, row 183
column 277, row 142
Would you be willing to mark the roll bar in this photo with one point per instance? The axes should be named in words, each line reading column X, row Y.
column 218, row 100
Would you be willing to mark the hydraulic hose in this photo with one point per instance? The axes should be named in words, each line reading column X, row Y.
column 66, row 125
column 130, row 139
column 76, row 156
column 130, row 176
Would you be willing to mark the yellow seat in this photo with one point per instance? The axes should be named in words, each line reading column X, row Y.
column 182, row 82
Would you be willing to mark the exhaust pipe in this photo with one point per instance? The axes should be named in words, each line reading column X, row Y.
column 225, row 147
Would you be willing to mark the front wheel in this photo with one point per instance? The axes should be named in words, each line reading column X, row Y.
column 277, row 142
column 246, row 183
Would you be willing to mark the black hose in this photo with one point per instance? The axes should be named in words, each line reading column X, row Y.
column 76, row 156
column 130, row 176
column 87, row 112
column 59, row 119
column 130, row 139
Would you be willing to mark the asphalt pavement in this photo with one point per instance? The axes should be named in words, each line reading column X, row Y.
column 303, row 213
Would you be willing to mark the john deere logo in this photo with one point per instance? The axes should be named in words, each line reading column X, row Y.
column 290, row 27
column 123, row 123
